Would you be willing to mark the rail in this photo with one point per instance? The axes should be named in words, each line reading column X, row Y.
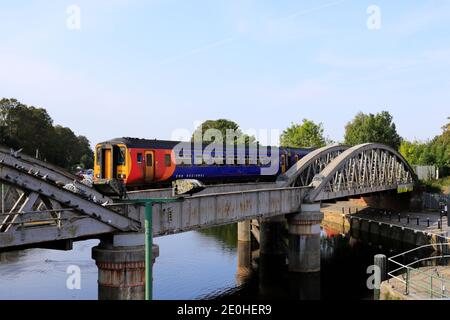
column 429, row 280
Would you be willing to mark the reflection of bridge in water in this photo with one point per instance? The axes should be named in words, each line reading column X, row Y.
column 43, row 207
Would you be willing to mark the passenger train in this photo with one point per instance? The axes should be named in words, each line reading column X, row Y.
column 141, row 163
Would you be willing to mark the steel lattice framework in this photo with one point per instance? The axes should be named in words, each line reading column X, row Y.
column 360, row 170
column 37, row 205
column 302, row 174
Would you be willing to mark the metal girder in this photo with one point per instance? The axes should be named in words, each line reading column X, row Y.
column 48, row 171
column 66, row 198
column 79, row 227
column 219, row 188
column 218, row 209
column 303, row 172
column 362, row 169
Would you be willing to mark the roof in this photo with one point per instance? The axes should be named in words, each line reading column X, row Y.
column 164, row 144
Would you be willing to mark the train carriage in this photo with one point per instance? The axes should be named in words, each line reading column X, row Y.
column 141, row 163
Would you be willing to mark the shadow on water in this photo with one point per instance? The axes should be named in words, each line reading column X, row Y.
column 208, row 264
column 344, row 273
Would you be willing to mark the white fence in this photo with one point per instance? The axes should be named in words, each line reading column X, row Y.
column 426, row 172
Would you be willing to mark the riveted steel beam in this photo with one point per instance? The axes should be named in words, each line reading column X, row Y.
column 363, row 169
column 32, row 183
column 303, row 172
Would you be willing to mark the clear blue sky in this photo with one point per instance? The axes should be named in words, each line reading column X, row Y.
column 147, row 68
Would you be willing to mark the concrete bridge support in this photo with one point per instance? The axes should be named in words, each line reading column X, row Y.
column 121, row 267
column 304, row 239
column 244, row 231
column 244, row 262
column 244, row 252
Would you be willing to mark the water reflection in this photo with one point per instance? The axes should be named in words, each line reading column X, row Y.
column 209, row 264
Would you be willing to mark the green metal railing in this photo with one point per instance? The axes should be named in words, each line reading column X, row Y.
column 436, row 285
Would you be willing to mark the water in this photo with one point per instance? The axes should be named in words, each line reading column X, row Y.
column 196, row 265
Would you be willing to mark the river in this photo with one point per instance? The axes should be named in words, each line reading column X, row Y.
column 196, row 265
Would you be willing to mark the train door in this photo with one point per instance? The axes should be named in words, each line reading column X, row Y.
column 283, row 163
column 107, row 167
column 149, row 166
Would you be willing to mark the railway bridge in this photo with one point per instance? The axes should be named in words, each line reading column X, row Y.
column 44, row 206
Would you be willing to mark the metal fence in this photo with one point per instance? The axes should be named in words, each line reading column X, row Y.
column 433, row 200
column 426, row 173
column 429, row 281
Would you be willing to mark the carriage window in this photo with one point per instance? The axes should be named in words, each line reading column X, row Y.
column 149, row 160
column 139, row 157
column 168, row 160
column 121, row 157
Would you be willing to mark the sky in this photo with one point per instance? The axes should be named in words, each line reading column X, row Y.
column 155, row 68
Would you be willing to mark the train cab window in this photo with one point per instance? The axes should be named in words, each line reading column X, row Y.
column 121, row 157
column 139, row 158
column 149, row 159
column 168, row 160
column 99, row 156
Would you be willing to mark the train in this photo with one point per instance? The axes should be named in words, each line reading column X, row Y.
column 137, row 164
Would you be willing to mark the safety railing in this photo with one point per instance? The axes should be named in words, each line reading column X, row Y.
column 430, row 280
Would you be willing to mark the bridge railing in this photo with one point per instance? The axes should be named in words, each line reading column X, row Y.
column 422, row 274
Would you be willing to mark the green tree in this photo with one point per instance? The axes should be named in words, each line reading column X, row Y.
column 440, row 146
column 31, row 129
column 416, row 152
column 434, row 152
column 223, row 125
column 378, row 128
column 307, row 134
column 27, row 128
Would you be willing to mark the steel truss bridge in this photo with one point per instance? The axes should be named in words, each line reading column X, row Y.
column 44, row 206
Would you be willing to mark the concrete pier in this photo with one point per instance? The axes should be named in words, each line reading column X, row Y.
column 244, row 231
column 304, row 239
column 121, row 268
column 244, row 262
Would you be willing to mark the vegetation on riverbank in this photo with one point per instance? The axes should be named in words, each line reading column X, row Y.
column 31, row 129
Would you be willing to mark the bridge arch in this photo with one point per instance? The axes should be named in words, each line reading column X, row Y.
column 303, row 172
column 362, row 169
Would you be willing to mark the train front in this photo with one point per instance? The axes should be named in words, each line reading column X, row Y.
column 110, row 168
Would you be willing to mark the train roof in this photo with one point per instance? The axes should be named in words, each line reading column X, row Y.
column 165, row 144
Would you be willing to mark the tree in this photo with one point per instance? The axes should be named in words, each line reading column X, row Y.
column 31, row 129
column 440, row 146
column 307, row 134
column 22, row 125
column 418, row 153
column 433, row 152
column 224, row 126
column 378, row 128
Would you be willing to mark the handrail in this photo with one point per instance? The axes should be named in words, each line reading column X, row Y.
column 421, row 247
column 418, row 283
